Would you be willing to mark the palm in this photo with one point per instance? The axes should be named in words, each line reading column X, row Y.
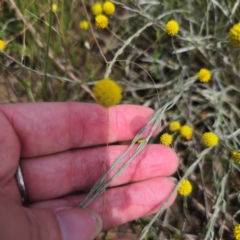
column 59, row 152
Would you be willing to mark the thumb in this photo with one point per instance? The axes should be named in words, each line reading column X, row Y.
column 17, row 222
column 76, row 223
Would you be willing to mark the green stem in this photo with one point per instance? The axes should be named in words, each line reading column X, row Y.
column 45, row 90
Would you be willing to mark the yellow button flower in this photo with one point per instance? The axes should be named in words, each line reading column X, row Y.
column 54, row 8
column 2, row 45
column 236, row 232
column 236, row 157
column 172, row 27
column 234, row 35
column 185, row 188
column 107, row 92
column 166, row 139
column 84, row 24
column 174, row 126
column 186, row 131
column 204, row 75
column 108, row 8
column 101, row 21
column 210, row 139
column 97, row 8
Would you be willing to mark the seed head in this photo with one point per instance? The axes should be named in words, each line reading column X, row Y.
column 185, row 188
column 101, row 21
column 210, row 139
column 236, row 157
column 166, row 139
column 54, row 8
column 174, row 126
column 84, row 24
column 108, row 8
column 186, row 131
column 236, row 232
column 2, row 45
column 234, row 35
column 107, row 92
column 204, row 75
column 172, row 27
column 97, row 8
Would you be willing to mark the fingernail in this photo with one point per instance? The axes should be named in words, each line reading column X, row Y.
column 76, row 223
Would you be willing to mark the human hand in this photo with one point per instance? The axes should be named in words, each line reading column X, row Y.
column 56, row 145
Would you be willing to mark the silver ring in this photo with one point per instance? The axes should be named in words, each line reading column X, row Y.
column 21, row 185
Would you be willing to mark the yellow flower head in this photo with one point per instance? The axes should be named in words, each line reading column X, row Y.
column 174, row 126
column 185, row 188
column 84, row 24
column 108, row 8
column 54, row 8
column 2, row 45
column 166, row 139
column 204, row 75
column 101, row 21
column 234, row 35
column 172, row 27
column 210, row 139
column 107, row 92
column 140, row 141
column 186, row 131
column 236, row 157
column 97, row 8
column 236, row 232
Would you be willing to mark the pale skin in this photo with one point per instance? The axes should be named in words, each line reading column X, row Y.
column 58, row 148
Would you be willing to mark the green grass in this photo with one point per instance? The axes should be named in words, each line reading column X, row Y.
column 49, row 58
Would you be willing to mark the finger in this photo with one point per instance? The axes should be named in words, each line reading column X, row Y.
column 21, row 223
column 123, row 204
column 60, row 174
column 10, row 151
column 46, row 128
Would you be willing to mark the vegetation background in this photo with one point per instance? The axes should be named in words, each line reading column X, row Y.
column 49, row 58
